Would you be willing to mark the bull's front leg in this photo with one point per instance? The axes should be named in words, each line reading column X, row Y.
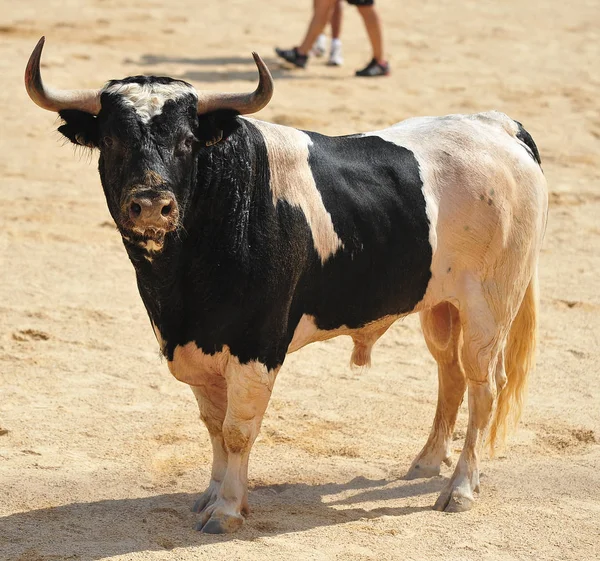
column 212, row 402
column 249, row 388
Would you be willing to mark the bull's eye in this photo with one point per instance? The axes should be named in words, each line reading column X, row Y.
column 187, row 144
column 106, row 142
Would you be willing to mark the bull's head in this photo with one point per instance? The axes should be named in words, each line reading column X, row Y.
column 148, row 131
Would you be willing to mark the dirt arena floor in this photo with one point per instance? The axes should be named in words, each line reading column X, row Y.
column 102, row 452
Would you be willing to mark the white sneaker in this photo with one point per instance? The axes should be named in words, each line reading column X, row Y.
column 320, row 46
column 335, row 55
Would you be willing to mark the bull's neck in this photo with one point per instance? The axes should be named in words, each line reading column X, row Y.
column 222, row 220
column 231, row 177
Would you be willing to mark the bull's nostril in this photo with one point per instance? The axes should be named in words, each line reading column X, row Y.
column 135, row 209
column 166, row 210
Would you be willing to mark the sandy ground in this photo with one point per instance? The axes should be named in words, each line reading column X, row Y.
column 101, row 450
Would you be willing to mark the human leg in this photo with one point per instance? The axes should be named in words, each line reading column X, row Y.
column 373, row 26
column 321, row 15
column 378, row 65
column 335, row 54
column 336, row 20
column 320, row 46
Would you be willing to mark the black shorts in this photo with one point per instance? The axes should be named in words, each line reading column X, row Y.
column 361, row 2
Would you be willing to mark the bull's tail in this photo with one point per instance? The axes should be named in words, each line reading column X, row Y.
column 526, row 139
column 519, row 360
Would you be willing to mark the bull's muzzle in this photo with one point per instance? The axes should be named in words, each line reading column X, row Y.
column 150, row 213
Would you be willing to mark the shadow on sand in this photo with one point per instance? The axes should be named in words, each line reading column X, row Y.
column 150, row 59
column 95, row 530
column 219, row 72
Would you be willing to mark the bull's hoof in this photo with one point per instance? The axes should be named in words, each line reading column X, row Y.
column 421, row 468
column 221, row 524
column 207, row 498
column 454, row 499
column 201, row 504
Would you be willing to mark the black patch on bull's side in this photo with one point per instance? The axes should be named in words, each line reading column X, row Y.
column 373, row 190
column 527, row 139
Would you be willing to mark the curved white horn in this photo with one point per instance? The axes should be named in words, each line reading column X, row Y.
column 243, row 103
column 56, row 100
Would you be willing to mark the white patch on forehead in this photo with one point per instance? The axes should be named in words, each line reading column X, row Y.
column 148, row 100
column 292, row 181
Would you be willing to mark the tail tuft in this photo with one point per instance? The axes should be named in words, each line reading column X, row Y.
column 519, row 360
column 526, row 139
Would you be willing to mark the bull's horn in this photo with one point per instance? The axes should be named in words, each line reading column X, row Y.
column 56, row 100
column 245, row 103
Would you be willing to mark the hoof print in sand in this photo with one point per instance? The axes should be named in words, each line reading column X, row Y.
column 30, row 335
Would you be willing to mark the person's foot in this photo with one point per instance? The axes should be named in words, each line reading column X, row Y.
column 374, row 68
column 293, row 56
column 320, row 46
column 335, row 55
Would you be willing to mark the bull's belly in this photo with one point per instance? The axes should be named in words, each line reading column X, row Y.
column 364, row 337
column 192, row 366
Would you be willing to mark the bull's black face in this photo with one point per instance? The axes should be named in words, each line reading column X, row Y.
column 147, row 134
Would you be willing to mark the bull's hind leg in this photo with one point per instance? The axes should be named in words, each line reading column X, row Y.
column 442, row 331
column 212, row 402
column 484, row 335
column 249, row 388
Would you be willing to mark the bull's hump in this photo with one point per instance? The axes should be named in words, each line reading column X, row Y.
column 148, row 99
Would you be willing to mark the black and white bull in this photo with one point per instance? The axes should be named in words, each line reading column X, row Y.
column 251, row 240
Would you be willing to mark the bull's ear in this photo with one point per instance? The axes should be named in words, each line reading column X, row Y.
column 216, row 126
column 79, row 127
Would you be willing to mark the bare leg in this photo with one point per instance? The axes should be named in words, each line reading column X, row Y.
column 336, row 20
column 321, row 15
column 373, row 27
column 320, row 45
column 483, row 340
column 442, row 331
column 248, row 391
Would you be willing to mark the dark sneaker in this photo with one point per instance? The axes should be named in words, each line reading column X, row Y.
column 293, row 56
column 374, row 68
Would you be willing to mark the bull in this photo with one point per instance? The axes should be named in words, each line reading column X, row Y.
column 251, row 240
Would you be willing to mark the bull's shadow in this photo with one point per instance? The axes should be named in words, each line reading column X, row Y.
column 95, row 530
column 218, row 73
